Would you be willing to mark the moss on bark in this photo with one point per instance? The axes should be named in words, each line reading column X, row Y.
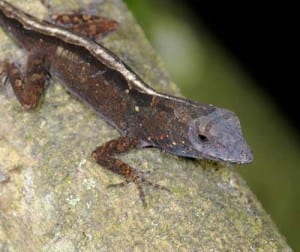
column 54, row 197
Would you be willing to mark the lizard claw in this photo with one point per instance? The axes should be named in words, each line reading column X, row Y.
column 139, row 181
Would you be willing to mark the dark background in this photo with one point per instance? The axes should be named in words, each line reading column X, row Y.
column 260, row 36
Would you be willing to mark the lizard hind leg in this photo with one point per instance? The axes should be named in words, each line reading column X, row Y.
column 91, row 26
column 104, row 155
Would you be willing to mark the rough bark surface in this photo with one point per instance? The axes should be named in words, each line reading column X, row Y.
column 54, row 197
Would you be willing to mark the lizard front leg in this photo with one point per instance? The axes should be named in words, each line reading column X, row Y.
column 28, row 88
column 104, row 155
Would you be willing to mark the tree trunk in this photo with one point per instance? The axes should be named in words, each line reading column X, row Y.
column 54, row 197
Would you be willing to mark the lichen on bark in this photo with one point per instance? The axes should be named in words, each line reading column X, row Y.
column 54, row 197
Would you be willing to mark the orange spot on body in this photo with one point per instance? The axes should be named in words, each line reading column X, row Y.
column 18, row 83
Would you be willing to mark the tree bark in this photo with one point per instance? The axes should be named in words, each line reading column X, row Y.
column 54, row 197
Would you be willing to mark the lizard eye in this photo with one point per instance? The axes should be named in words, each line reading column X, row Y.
column 202, row 138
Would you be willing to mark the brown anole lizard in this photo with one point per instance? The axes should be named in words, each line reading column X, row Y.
column 65, row 48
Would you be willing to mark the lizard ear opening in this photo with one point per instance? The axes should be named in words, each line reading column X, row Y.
column 202, row 138
column 196, row 137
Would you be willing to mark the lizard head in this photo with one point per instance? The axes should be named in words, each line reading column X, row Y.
column 218, row 136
